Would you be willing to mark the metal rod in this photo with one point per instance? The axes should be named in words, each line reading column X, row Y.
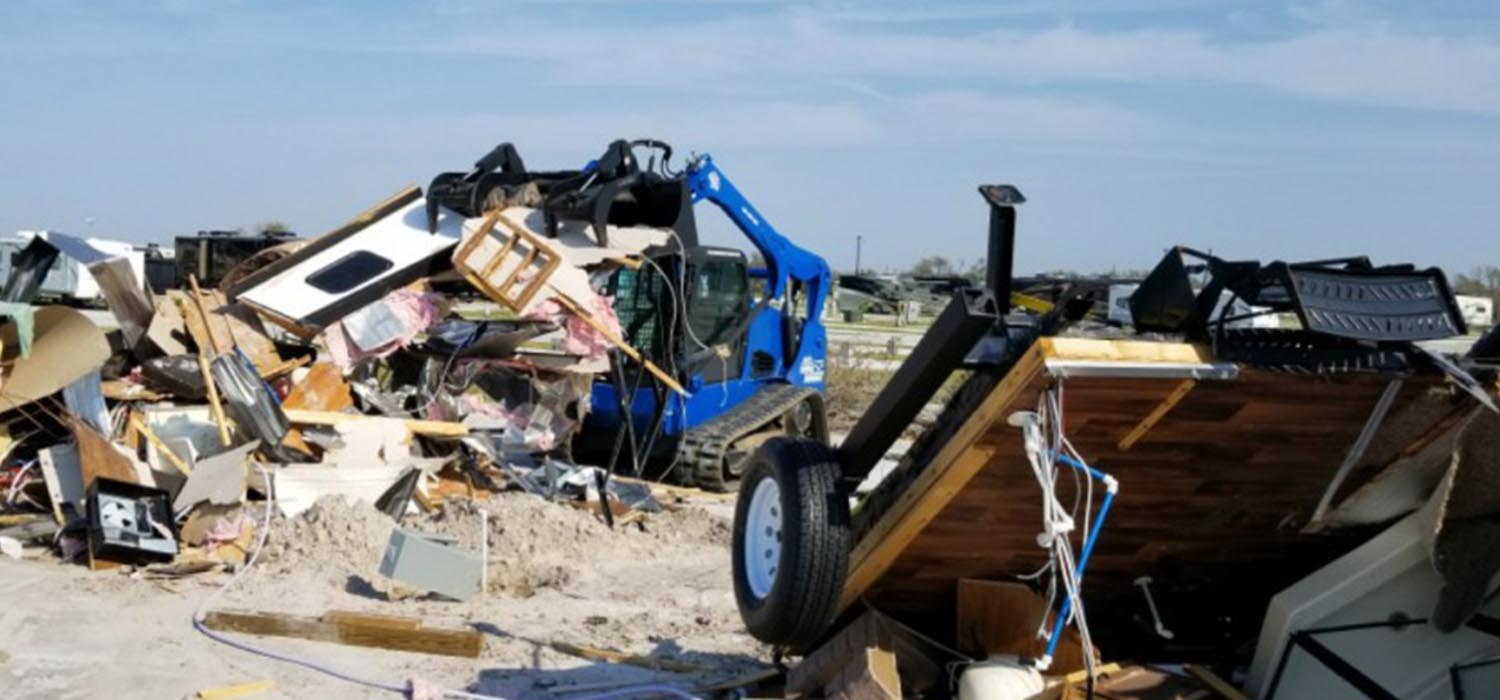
column 1083, row 561
column 1362, row 443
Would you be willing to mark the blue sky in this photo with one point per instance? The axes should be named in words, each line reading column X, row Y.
column 1257, row 129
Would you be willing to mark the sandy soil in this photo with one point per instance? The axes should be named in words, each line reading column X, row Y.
column 555, row 574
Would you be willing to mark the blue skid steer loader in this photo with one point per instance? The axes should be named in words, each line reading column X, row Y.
column 746, row 340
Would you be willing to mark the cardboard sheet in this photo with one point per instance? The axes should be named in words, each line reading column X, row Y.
column 65, row 347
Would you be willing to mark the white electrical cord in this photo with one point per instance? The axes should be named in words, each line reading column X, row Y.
column 265, row 532
column 1044, row 439
column 687, row 325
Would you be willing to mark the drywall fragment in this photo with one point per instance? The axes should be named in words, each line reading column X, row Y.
column 64, row 476
column 219, row 479
column 298, row 486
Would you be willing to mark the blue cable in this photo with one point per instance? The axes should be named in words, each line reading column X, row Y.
column 1088, row 544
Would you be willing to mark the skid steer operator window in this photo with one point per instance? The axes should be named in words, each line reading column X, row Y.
column 640, row 296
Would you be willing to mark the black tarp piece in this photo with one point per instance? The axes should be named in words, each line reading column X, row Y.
column 28, row 268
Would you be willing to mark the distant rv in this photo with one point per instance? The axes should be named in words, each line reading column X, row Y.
column 1478, row 312
column 69, row 280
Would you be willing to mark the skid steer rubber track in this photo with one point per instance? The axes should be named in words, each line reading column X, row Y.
column 704, row 449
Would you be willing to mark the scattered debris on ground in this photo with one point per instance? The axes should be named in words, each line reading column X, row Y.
column 313, row 444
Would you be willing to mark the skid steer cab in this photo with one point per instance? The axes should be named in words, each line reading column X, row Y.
column 741, row 331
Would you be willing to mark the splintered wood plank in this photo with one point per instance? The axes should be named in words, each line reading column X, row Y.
column 217, row 326
column 353, row 630
column 436, row 428
column 1105, row 350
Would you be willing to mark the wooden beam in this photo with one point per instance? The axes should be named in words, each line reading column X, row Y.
column 351, row 629
column 1105, row 350
column 953, row 466
column 434, row 428
column 1173, row 398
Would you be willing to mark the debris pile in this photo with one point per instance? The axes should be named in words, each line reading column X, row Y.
column 392, row 405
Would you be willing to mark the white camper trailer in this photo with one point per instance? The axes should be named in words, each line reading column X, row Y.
column 1478, row 312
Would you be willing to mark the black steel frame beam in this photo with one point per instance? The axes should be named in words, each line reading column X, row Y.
column 967, row 318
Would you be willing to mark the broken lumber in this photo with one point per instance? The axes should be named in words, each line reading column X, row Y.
column 352, row 629
column 229, row 692
column 140, row 427
column 432, row 428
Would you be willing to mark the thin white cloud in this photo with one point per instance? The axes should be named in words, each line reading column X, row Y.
column 1365, row 63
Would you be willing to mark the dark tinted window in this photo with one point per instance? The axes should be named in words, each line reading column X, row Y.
column 639, row 298
column 349, row 272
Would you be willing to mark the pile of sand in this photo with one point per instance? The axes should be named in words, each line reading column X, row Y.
column 336, row 538
column 533, row 544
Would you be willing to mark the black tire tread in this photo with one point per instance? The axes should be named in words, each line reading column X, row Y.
column 803, row 601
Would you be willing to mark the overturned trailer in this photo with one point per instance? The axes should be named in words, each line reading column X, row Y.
column 1187, row 490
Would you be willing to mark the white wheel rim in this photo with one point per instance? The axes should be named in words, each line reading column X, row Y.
column 763, row 538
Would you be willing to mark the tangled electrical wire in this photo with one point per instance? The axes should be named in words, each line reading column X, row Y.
column 1046, row 444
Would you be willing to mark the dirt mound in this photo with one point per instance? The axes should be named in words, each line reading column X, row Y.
column 335, row 537
column 535, row 544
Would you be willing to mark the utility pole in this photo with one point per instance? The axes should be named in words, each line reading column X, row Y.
column 858, row 246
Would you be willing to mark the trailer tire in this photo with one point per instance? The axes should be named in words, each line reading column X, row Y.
column 791, row 542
